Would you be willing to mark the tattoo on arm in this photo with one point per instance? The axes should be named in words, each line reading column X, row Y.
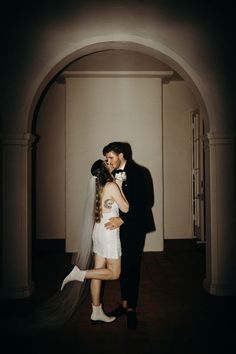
column 108, row 203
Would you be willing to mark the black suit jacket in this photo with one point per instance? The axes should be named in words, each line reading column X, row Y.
column 137, row 191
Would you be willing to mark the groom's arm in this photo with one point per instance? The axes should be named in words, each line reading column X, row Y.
column 114, row 223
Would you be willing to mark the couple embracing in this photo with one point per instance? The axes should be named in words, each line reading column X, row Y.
column 121, row 220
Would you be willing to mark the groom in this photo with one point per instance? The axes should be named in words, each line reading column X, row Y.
column 133, row 226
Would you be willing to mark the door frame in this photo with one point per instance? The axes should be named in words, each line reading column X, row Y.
column 198, row 175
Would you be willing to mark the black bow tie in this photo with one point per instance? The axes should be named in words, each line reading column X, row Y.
column 119, row 170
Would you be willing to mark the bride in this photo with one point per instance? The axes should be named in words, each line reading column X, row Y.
column 109, row 199
column 96, row 245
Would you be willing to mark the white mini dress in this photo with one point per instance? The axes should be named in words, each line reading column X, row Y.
column 106, row 243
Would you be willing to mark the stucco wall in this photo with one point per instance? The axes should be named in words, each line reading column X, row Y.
column 50, row 166
column 178, row 102
column 47, row 37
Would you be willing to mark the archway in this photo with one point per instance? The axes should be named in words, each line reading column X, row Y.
column 127, row 46
column 133, row 43
column 219, row 146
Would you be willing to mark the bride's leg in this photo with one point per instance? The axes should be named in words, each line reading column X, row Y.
column 95, row 290
column 111, row 272
column 95, row 285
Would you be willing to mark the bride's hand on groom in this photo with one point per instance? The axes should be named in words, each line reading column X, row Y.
column 114, row 223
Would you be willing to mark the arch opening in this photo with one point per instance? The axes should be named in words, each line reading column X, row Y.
column 45, row 79
column 65, row 63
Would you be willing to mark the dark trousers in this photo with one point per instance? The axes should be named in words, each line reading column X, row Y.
column 132, row 244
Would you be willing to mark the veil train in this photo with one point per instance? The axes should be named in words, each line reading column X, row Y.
column 59, row 308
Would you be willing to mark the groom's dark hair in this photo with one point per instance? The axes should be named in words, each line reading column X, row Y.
column 118, row 147
column 115, row 146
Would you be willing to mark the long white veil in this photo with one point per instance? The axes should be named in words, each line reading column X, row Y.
column 83, row 255
column 60, row 307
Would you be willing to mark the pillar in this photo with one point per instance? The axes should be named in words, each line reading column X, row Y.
column 220, row 214
column 15, row 241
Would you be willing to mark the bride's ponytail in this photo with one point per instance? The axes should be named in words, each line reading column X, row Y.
column 98, row 207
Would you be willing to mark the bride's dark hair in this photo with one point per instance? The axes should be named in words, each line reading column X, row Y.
column 100, row 170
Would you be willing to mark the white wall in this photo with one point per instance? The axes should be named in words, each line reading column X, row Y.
column 101, row 110
column 178, row 102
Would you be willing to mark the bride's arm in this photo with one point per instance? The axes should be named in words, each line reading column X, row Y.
column 117, row 194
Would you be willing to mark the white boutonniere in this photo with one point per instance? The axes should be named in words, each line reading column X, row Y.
column 121, row 176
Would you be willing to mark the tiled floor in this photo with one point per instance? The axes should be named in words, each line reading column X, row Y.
column 176, row 315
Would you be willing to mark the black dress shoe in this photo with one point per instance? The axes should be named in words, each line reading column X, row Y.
column 132, row 321
column 118, row 311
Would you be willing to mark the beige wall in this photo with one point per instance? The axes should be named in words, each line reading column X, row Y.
column 71, row 29
column 50, row 180
column 178, row 102
column 117, row 60
column 100, row 110
column 132, row 107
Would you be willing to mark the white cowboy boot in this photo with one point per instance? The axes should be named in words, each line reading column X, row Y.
column 99, row 316
column 75, row 274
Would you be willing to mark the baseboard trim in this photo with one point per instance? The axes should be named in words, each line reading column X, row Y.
column 180, row 244
column 219, row 290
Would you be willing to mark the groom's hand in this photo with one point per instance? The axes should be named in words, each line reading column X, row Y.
column 114, row 223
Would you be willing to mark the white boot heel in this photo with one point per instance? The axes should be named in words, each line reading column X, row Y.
column 75, row 274
column 99, row 316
